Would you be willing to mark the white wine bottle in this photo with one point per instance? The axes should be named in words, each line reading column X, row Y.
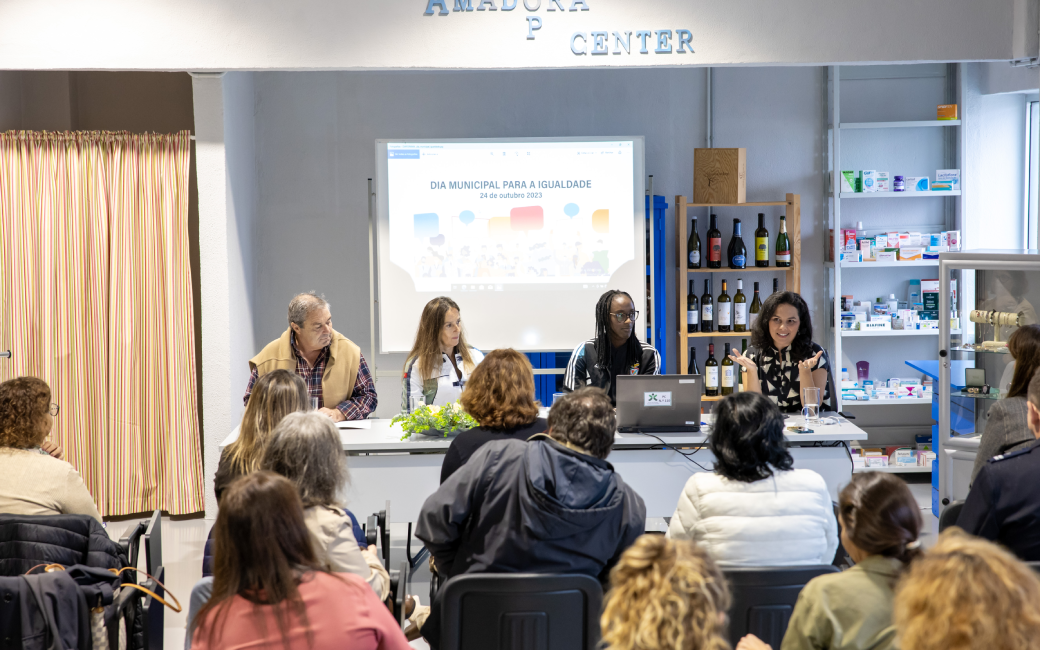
column 725, row 310
column 726, row 369
column 740, row 308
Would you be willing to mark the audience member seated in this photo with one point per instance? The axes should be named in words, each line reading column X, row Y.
column 549, row 505
column 967, row 594
column 33, row 481
column 275, row 395
column 270, row 590
column 754, row 509
column 305, row 448
column 1003, row 504
column 665, row 595
column 500, row 397
column 1006, row 427
column 880, row 524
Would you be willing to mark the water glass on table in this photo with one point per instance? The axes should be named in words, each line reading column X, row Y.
column 314, row 403
column 811, row 405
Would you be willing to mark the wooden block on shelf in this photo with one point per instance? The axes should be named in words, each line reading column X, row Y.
column 720, row 176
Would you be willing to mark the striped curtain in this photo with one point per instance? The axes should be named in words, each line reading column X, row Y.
column 96, row 299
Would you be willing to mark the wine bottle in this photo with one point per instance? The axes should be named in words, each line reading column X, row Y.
column 714, row 244
column 693, row 247
column 711, row 373
column 725, row 304
column 761, row 242
column 783, row 245
column 737, row 253
column 707, row 317
column 776, row 285
column 742, row 384
column 693, row 310
column 756, row 308
column 691, row 367
column 727, row 372
column 740, row 308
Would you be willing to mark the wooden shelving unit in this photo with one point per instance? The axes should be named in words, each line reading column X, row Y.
column 792, row 282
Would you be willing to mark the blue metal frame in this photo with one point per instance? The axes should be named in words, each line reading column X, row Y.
column 659, row 292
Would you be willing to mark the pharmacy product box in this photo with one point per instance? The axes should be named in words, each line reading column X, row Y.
column 848, row 237
column 904, row 239
column 848, row 181
column 866, row 250
column 893, row 240
column 876, row 461
column 915, row 239
column 885, row 256
column 884, row 184
column 952, row 177
column 917, row 184
column 904, row 458
column 910, row 253
column 946, row 112
column 930, row 295
column 953, row 240
column 869, row 180
column 929, row 255
column 941, row 187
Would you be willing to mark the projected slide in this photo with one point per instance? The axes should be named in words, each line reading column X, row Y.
column 478, row 216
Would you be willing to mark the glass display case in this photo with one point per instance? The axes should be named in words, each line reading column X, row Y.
column 988, row 295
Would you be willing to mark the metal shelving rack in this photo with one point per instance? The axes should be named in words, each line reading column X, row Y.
column 953, row 209
column 793, row 205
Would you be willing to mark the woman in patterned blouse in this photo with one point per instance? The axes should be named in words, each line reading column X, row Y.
column 783, row 358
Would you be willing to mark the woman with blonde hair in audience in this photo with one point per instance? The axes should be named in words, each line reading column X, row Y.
column 665, row 595
column 968, row 594
column 274, row 396
column 270, row 590
column 33, row 479
column 305, row 448
column 500, row 397
column 880, row 525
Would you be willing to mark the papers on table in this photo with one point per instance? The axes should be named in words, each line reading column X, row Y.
column 354, row 424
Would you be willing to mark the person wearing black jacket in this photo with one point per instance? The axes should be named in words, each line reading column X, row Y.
column 615, row 350
column 552, row 504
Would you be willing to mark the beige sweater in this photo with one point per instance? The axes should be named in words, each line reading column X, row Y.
column 32, row 483
column 338, row 550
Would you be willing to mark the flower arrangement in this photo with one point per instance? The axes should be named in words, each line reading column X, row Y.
column 430, row 420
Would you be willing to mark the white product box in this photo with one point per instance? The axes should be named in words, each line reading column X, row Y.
column 885, row 256
column 951, row 176
column 876, row 461
column 904, row 458
column 869, row 180
column 884, row 184
column 848, row 181
column 918, row 184
column 873, row 325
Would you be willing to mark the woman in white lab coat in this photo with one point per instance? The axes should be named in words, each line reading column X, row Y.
column 440, row 361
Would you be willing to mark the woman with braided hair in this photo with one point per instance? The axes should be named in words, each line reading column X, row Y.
column 615, row 350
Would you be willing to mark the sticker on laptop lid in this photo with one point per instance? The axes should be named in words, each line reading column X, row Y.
column 658, row 398
column 687, row 381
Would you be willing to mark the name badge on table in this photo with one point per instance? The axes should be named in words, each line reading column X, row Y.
column 657, row 398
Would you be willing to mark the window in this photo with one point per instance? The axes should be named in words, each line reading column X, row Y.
column 1032, row 180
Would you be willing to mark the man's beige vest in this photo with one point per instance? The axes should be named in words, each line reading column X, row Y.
column 337, row 383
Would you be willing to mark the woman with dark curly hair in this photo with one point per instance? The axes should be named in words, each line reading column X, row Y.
column 755, row 509
column 31, row 481
column 783, row 358
column 500, row 397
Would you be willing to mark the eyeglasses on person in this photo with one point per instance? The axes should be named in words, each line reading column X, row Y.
column 53, row 409
column 622, row 316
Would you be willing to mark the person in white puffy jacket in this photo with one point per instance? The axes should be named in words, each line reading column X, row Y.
column 755, row 509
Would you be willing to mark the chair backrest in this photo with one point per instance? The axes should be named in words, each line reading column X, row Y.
column 153, row 544
column 949, row 515
column 764, row 598
column 28, row 540
column 520, row 611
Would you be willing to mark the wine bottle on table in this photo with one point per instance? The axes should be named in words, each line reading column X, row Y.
column 711, row 373
column 693, row 247
column 755, row 310
column 693, row 310
column 707, row 315
column 692, row 368
column 783, row 245
column 725, row 309
column 761, row 242
column 740, row 308
column 727, row 372
column 737, row 249
column 714, row 244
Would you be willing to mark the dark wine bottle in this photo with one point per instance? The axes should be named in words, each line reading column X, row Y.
column 737, row 249
column 692, row 368
column 707, row 317
column 693, row 310
column 740, row 308
column 742, row 383
column 761, row 242
column 756, row 309
column 776, row 285
column 693, row 247
column 725, row 309
column 714, row 244
column 783, row 245
column 711, row 373
column 727, row 372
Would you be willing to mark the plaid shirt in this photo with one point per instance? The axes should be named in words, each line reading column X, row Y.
column 356, row 407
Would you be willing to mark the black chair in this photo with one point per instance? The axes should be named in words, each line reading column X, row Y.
column 520, row 611
column 949, row 515
column 764, row 598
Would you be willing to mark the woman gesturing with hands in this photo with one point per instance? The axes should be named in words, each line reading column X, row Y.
column 783, row 358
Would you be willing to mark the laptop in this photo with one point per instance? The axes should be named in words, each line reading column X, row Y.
column 659, row 403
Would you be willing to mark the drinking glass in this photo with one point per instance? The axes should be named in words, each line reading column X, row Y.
column 811, row 405
column 414, row 402
column 556, row 396
column 314, row 403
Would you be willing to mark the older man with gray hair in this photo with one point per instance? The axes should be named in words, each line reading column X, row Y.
column 331, row 364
